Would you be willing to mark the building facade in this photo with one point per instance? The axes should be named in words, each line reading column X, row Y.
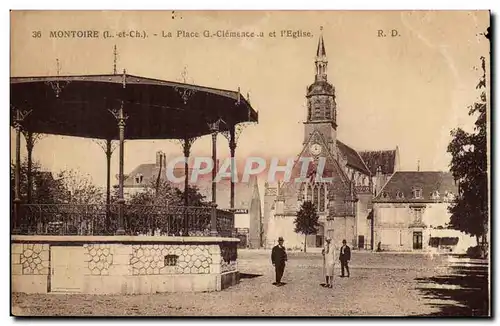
column 343, row 204
column 247, row 200
column 411, row 213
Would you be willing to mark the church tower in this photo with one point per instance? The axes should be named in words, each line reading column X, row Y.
column 321, row 106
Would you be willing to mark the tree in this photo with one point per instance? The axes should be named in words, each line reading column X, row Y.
column 160, row 206
column 79, row 188
column 469, row 210
column 45, row 188
column 306, row 221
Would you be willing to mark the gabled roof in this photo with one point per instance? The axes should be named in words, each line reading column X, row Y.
column 385, row 159
column 353, row 158
column 404, row 182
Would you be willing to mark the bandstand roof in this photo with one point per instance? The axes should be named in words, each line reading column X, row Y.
column 79, row 106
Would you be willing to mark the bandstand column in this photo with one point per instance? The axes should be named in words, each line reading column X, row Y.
column 108, row 180
column 187, row 151
column 19, row 117
column 29, row 147
column 213, row 223
column 121, row 118
column 121, row 200
column 232, row 148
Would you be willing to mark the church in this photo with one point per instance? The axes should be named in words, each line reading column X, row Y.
column 344, row 204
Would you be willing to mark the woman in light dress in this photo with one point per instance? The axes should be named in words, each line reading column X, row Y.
column 329, row 255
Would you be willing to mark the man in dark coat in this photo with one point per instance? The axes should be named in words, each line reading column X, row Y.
column 278, row 258
column 345, row 256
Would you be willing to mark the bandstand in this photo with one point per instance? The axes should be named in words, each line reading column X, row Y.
column 97, row 248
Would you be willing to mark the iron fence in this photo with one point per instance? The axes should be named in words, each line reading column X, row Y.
column 89, row 219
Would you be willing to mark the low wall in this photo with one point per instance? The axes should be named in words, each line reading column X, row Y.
column 122, row 264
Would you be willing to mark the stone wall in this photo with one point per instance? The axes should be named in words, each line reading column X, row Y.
column 30, row 259
column 128, row 267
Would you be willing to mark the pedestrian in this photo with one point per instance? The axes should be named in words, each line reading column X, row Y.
column 345, row 257
column 329, row 261
column 278, row 258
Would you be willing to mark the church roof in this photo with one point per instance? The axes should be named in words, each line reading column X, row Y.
column 385, row 159
column 243, row 191
column 400, row 186
column 353, row 158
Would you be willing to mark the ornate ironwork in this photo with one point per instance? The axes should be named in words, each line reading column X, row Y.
column 215, row 126
column 90, row 219
column 32, row 138
column 119, row 116
column 57, row 85
column 19, row 116
column 102, row 144
column 184, row 93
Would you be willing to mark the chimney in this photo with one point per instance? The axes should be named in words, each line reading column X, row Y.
column 160, row 159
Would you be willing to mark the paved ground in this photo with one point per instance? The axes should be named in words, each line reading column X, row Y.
column 380, row 285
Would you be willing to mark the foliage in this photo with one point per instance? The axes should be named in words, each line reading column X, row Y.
column 68, row 186
column 80, row 188
column 306, row 221
column 163, row 193
column 469, row 210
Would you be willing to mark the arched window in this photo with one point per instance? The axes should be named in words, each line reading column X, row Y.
column 321, row 198
column 309, row 193
column 400, row 195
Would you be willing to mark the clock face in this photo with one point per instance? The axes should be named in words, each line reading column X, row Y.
column 315, row 149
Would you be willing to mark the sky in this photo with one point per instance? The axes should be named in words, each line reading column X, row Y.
column 407, row 91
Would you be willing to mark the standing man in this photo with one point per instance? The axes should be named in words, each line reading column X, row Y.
column 278, row 258
column 345, row 256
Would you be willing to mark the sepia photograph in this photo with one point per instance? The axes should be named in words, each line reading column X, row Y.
column 250, row 163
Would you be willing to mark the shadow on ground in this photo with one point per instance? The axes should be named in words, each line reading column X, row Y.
column 462, row 292
column 248, row 275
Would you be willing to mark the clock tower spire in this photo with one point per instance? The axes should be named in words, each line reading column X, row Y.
column 321, row 106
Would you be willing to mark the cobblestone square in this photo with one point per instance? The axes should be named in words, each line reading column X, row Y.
column 381, row 284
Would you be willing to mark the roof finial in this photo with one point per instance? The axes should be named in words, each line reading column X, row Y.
column 418, row 165
column 58, row 66
column 248, row 97
column 321, row 28
column 115, row 57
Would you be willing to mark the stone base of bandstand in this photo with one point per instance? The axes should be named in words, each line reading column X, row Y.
column 122, row 264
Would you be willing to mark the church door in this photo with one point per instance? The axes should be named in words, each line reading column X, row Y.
column 361, row 241
column 417, row 240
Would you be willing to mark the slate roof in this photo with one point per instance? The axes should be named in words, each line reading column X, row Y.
column 429, row 181
column 353, row 158
column 385, row 159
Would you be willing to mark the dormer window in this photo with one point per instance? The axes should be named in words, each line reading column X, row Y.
column 400, row 195
column 138, row 178
column 435, row 194
column 385, row 195
column 417, row 193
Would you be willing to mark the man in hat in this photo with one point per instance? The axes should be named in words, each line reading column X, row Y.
column 345, row 256
column 278, row 258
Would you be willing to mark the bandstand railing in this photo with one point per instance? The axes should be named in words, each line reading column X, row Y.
column 152, row 220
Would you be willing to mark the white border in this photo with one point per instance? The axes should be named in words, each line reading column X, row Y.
column 179, row 5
